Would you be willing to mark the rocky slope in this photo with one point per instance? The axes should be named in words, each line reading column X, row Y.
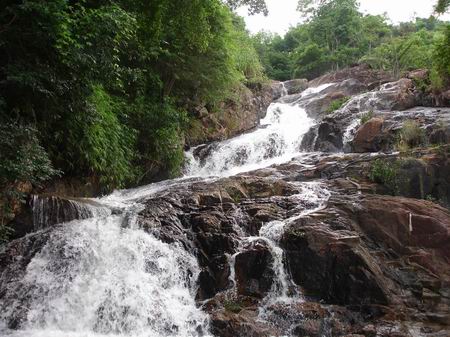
column 353, row 240
column 234, row 117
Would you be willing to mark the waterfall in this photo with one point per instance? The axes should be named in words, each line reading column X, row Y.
column 100, row 275
column 275, row 141
column 53, row 210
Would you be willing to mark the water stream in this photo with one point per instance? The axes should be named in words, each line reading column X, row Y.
column 103, row 276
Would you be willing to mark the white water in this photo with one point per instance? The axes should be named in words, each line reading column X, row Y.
column 46, row 209
column 312, row 197
column 99, row 277
column 104, row 277
column 276, row 141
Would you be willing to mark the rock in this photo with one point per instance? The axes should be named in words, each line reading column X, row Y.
column 330, row 136
column 254, row 275
column 400, row 93
column 418, row 75
column 234, row 116
column 401, row 223
column 367, row 136
column 363, row 73
column 318, row 104
column 295, row 86
column 328, row 268
column 42, row 211
column 245, row 324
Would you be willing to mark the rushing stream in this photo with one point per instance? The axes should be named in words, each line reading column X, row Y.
column 103, row 276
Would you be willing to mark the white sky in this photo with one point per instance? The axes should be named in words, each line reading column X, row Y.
column 283, row 14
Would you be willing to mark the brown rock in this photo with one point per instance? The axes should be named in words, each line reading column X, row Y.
column 362, row 73
column 367, row 137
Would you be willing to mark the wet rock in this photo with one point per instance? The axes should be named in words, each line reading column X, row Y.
column 330, row 136
column 318, row 104
column 245, row 324
column 367, row 138
column 254, row 275
column 401, row 223
column 42, row 211
column 329, row 268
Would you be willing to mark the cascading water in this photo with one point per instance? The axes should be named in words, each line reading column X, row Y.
column 103, row 276
column 276, row 141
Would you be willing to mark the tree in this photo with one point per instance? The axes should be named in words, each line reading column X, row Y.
column 255, row 6
column 402, row 53
column 442, row 6
column 109, row 84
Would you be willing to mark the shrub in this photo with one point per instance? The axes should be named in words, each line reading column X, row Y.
column 160, row 127
column 441, row 60
column 385, row 173
column 337, row 104
column 22, row 159
column 107, row 146
column 411, row 135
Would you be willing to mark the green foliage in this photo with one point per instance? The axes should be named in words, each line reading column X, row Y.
column 233, row 306
column 254, row 6
column 107, row 147
column 336, row 35
column 337, row 104
column 442, row 6
column 108, row 83
column 274, row 55
column 367, row 117
column 386, row 173
column 22, row 160
column 402, row 53
column 441, row 59
column 245, row 55
column 411, row 135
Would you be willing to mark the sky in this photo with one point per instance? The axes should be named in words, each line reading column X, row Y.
column 283, row 14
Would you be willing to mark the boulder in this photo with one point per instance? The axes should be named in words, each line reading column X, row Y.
column 295, row 86
column 367, row 138
column 253, row 269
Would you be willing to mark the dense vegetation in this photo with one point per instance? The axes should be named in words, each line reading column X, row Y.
column 336, row 35
column 108, row 84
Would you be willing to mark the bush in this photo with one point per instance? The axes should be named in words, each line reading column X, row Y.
column 108, row 145
column 337, row 104
column 441, row 60
column 411, row 135
column 22, row 159
column 160, row 128
column 385, row 173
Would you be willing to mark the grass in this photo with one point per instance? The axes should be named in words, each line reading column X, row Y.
column 385, row 173
column 337, row 104
column 411, row 135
